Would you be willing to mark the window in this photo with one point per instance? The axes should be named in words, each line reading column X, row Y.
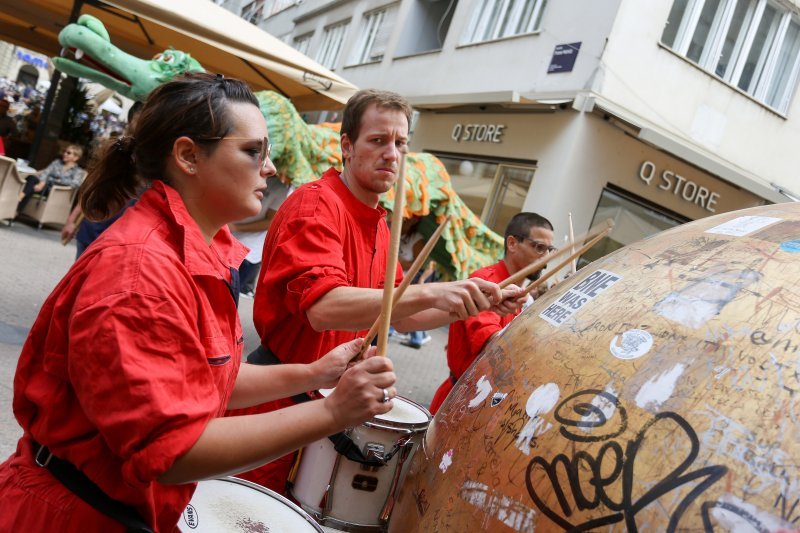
column 328, row 54
column 301, row 43
column 494, row 19
column 492, row 190
column 375, row 36
column 634, row 219
column 254, row 11
column 429, row 22
column 751, row 44
column 279, row 5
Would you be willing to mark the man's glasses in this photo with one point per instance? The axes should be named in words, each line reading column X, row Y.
column 266, row 147
column 540, row 247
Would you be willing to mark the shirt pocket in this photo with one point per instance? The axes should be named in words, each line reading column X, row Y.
column 218, row 350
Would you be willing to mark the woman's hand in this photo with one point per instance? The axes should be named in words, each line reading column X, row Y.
column 328, row 369
column 68, row 231
column 359, row 394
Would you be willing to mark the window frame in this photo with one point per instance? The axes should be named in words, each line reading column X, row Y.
column 305, row 38
column 494, row 20
column 373, row 23
column 764, row 75
column 257, row 11
column 325, row 45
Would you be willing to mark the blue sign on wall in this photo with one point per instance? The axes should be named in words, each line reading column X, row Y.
column 33, row 60
column 564, row 57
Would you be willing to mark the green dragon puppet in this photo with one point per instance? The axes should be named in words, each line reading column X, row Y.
column 302, row 152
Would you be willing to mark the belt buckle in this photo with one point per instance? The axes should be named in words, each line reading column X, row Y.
column 38, row 457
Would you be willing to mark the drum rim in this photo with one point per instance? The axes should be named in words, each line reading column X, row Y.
column 269, row 492
column 383, row 423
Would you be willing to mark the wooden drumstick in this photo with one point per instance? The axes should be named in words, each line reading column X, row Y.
column 574, row 266
column 565, row 262
column 391, row 263
column 412, row 271
column 518, row 277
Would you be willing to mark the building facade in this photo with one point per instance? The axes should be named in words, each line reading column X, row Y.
column 652, row 113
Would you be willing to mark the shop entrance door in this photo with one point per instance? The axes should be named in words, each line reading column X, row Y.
column 493, row 190
column 634, row 219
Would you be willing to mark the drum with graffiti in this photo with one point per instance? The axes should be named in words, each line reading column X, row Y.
column 656, row 390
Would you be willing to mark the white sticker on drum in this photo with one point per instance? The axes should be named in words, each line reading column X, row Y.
column 540, row 402
column 484, row 388
column 578, row 296
column 447, row 460
column 741, row 226
column 633, row 344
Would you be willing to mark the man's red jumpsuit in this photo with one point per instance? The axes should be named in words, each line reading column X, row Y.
column 322, row 237
column 133, row 353
column 468, row 337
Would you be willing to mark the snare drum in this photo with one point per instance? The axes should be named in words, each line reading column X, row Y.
column 233, row 504
column 347, row 495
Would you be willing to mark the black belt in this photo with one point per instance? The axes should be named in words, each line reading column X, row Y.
column 341, row 442
column 84, row 488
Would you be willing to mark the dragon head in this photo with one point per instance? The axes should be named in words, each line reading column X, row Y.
column 93, row 57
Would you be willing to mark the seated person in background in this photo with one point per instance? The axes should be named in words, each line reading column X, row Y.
column 528, row 238
column 60, row 172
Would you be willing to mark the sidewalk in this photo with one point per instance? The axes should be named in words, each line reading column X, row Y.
column 33, row 262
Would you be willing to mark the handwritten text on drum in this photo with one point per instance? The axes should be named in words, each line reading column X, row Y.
column 578, row 296
column 680, row 186
column 607, row 479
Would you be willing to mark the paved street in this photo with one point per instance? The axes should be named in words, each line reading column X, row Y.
column 34, row 261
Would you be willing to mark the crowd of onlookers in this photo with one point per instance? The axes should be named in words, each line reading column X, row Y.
column 20, row 113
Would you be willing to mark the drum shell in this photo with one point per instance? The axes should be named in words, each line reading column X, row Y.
column 357, row 496
column 670, row 399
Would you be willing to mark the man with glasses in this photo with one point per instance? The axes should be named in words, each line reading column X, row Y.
column 528, row 238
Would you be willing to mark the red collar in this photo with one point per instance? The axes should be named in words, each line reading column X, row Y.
column 199, row 258
column 359, row 209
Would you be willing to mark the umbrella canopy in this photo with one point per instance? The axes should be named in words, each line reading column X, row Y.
column 221, row 41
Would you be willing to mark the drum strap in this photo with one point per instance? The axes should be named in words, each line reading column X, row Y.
column 84, row 488
column 341, row 442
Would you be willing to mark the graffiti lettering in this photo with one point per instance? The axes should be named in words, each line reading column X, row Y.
column 591, row 478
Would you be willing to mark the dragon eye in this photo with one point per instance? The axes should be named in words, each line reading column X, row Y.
column 168, row 58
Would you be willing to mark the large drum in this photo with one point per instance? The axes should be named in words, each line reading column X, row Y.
column 350, row 496
column 658, row 389
column 235, row 505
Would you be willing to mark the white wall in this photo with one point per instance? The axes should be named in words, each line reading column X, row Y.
column 517, row 63
column 660, row 86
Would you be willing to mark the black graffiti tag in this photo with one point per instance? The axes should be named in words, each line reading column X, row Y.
column 590, row 478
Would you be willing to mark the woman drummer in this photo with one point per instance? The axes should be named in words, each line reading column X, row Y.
column 135, row 355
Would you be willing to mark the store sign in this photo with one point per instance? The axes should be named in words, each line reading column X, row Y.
column 482, row 133
column 686, row 189
column 33, row 60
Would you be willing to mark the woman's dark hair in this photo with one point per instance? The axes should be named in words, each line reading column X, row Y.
column 194, row 105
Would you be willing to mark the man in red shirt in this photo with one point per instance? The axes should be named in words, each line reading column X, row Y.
column 325, row 257
column 528, row 238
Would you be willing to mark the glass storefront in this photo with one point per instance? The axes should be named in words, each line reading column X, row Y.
column 634, row 219
column 493, row 190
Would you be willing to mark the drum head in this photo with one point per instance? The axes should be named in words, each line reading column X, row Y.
column 232, row 504
column 406, row 413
